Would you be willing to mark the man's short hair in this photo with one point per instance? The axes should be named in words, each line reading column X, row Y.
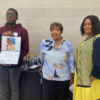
column 14, row 10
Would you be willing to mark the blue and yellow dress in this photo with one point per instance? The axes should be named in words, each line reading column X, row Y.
column 88, row 63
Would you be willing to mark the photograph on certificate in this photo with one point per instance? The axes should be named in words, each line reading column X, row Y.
column 11, row 43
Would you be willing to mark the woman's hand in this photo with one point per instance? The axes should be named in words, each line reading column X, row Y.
column 40, row 71
column 8, row 33
column 71, row 81
column 92, row 78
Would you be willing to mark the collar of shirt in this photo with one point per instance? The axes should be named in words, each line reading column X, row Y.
column 61, row 43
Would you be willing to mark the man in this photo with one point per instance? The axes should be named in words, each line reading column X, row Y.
column 11, row 73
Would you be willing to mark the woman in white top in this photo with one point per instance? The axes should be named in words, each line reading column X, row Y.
column 57, row 64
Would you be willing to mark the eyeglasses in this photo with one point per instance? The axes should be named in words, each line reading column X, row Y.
column 7, row 15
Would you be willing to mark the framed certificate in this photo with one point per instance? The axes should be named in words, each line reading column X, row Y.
column 10, row 50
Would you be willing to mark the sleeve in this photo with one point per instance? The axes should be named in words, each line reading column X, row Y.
column 1, row 31
column 96, row 59
column 71, row 58
column 40, row 59
column 24, row 44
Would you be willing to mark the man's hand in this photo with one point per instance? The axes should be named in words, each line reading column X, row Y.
column 5, row 65
column 8, row 33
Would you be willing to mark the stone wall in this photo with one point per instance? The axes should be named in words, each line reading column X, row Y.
column 37, row 15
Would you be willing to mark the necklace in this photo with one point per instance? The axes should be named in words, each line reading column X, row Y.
column 57, row 44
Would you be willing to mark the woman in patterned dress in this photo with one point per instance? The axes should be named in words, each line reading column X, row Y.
column 87, row 71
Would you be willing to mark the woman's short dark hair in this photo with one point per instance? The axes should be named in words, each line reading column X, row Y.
column 94, row 23
column 56, row 24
